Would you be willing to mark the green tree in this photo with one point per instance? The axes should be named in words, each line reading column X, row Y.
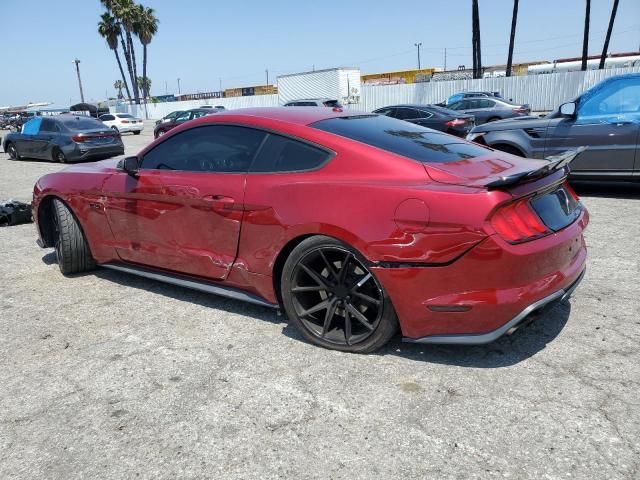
column 109, row 29
column 119, row 85
column 144, row 84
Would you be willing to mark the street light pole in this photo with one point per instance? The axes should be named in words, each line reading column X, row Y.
column 267, row 71
column 179, row 87
column 77, row 62
column 418, row 45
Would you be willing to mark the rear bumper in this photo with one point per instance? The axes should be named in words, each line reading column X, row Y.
column 131, row 128
column 78, row 153
column 489, row 290
column 481, row 338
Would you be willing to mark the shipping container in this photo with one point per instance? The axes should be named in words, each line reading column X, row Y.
column 342, row 84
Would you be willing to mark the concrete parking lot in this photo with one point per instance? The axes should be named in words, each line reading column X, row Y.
column 107, row 376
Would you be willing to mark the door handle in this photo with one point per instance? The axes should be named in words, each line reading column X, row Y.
column 220, row 202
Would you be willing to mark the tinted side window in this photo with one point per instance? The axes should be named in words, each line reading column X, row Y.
column 486, row 103
column 385, row 111
column 47, row 125
column 282, row 154
column 210, row 148
column 402, row 138
column 406, row 113
column 183, row 117
column 459, row 105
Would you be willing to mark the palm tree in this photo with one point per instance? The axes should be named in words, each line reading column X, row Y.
column 612, row 19
column 119, row 85
column 125, row 13
column 144, row 84
column 146, row 27
column 512, row 38
column 109, row 30
column 585, row 40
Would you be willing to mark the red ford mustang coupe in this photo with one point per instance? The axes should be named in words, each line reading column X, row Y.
column 355, row 224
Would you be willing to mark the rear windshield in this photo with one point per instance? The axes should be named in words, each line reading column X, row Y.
column 82, row 123
column 125, row 115
column 402, row 138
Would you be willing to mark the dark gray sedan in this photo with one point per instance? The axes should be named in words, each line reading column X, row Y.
column 63, row 138
column 490, row 109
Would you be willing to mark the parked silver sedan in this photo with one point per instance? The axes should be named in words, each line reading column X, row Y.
column 490, row 109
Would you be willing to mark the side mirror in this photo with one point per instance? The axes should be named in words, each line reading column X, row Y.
column 568, row 109
column 131, row 165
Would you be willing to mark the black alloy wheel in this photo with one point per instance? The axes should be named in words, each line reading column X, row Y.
column 336, row 301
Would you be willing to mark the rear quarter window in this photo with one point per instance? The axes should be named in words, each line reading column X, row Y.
column 402, row 138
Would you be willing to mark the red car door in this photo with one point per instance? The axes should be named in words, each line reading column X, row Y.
column 184, row 209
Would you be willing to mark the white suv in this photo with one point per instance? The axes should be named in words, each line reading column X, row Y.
column 122, row 122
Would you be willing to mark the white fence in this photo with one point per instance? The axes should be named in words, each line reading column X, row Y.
column 541, row 92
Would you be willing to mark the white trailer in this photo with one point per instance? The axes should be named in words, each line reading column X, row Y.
column 342, row 84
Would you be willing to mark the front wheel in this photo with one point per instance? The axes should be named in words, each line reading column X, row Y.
column 333, row 299
column 13, row 152
column 72, row 249
column 137, row 132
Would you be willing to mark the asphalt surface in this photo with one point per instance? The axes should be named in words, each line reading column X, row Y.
column 106, row 375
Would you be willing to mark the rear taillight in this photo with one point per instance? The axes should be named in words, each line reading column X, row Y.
column 455, row 122
column 517, row 222
column 79, row 138
column 520, row 110
column 125, row 121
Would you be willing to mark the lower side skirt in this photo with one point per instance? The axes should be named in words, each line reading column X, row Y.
column 510, row 326
column 190, row 282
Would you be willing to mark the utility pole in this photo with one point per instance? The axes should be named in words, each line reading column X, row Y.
column 179, row 92
column 220, row 80
column 445, row 59
column 77, row 62
column 267, row 72
column 166, row 88
column 418, row 45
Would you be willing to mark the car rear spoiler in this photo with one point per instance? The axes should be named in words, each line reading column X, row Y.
column 556, row 162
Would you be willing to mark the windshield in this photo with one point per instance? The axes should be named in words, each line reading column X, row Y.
column 125, row 115
column 402, row 138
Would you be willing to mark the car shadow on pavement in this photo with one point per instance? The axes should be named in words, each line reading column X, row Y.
column 626, row 191
column 504, row 352
column 203, row 299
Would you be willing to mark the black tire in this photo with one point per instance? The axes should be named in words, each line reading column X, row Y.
column 509, row 149
column 357, row 315
column 58, row 156
column 12, row 151
column 493, row 119
column 72, row 250
column 137, row 132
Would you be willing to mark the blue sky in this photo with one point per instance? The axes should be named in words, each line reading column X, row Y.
column 201, row 41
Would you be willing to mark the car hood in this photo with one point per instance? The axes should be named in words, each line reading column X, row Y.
column 481, row 171
column 513, row 123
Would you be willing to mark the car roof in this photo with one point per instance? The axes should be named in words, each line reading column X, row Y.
column 300, row 115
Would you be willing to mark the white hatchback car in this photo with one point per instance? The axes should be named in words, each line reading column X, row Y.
column 123, row 122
